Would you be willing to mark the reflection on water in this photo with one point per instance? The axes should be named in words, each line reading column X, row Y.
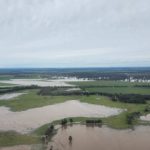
column 96, row 138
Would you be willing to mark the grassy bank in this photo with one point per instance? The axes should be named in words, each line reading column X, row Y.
column 32, row 100
column 12, row 138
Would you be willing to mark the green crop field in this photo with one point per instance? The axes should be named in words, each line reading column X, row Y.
column 114, row 87
column 122, row 90
column 107, row 83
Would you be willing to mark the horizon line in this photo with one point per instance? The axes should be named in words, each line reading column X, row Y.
column 73, row 67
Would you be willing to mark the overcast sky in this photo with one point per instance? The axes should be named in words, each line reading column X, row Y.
column 74, row 33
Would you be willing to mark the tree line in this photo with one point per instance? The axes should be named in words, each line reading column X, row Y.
column 17, row 88
column 126, row 98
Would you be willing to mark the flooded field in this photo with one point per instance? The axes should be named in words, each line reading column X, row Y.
column 95, row 138
column 26, row 121
column 145, row 118
column 20, row 147
column 10, row 96
column 24, row 147
column 73, row 89
column 42, row 82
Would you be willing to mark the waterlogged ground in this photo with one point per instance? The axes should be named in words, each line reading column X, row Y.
column 145, row 118
column 10, row 96
column 24, row 147
column 96, row 138
column 20, row 147
column 41, row 82
column 73, row 89
column 26, row 121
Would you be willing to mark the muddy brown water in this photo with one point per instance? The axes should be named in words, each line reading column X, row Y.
column 145, row 118
column 20, row 147
column 24, row 147
column 96, row 138
column 28, row 120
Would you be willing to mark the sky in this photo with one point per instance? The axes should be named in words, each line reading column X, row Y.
column 74, row 33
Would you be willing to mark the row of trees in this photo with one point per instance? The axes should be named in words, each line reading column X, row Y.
column 132, row 117
column 90, row 73
column 64, row 122
column 94, row 121
column 126, row 98
column 17, row 88
column 143, row 86
column 50, row 130
column 131, row 98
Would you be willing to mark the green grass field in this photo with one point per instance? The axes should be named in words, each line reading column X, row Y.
column 114, row 87
column 32, row 100
column 122, row 90
column 6, row 84
column 12, row 138
column 6, row 77
column 107, row 83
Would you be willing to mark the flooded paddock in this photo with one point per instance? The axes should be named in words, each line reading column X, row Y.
column 96, row 138
column 24, row 147
column 42, row 82
column 26, row 121
column 10, row 96
column 73, row 89
column 38, row 82
column 20, row 147
column 145, row 118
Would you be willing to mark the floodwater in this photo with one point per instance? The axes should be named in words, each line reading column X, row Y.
column 42, row 82
column 24, row 147
column 73, row 89
column 10, row 96
column 26, row 121
column 96, row 138
column 145, row 118
column 20, row 147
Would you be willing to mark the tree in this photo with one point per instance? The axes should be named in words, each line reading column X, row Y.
column 64, row 122
column 71, row 120
column 70, row 139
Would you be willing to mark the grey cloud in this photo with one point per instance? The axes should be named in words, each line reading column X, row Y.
column 47, row 31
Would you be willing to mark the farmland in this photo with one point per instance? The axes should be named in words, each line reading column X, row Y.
column 107, row 93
